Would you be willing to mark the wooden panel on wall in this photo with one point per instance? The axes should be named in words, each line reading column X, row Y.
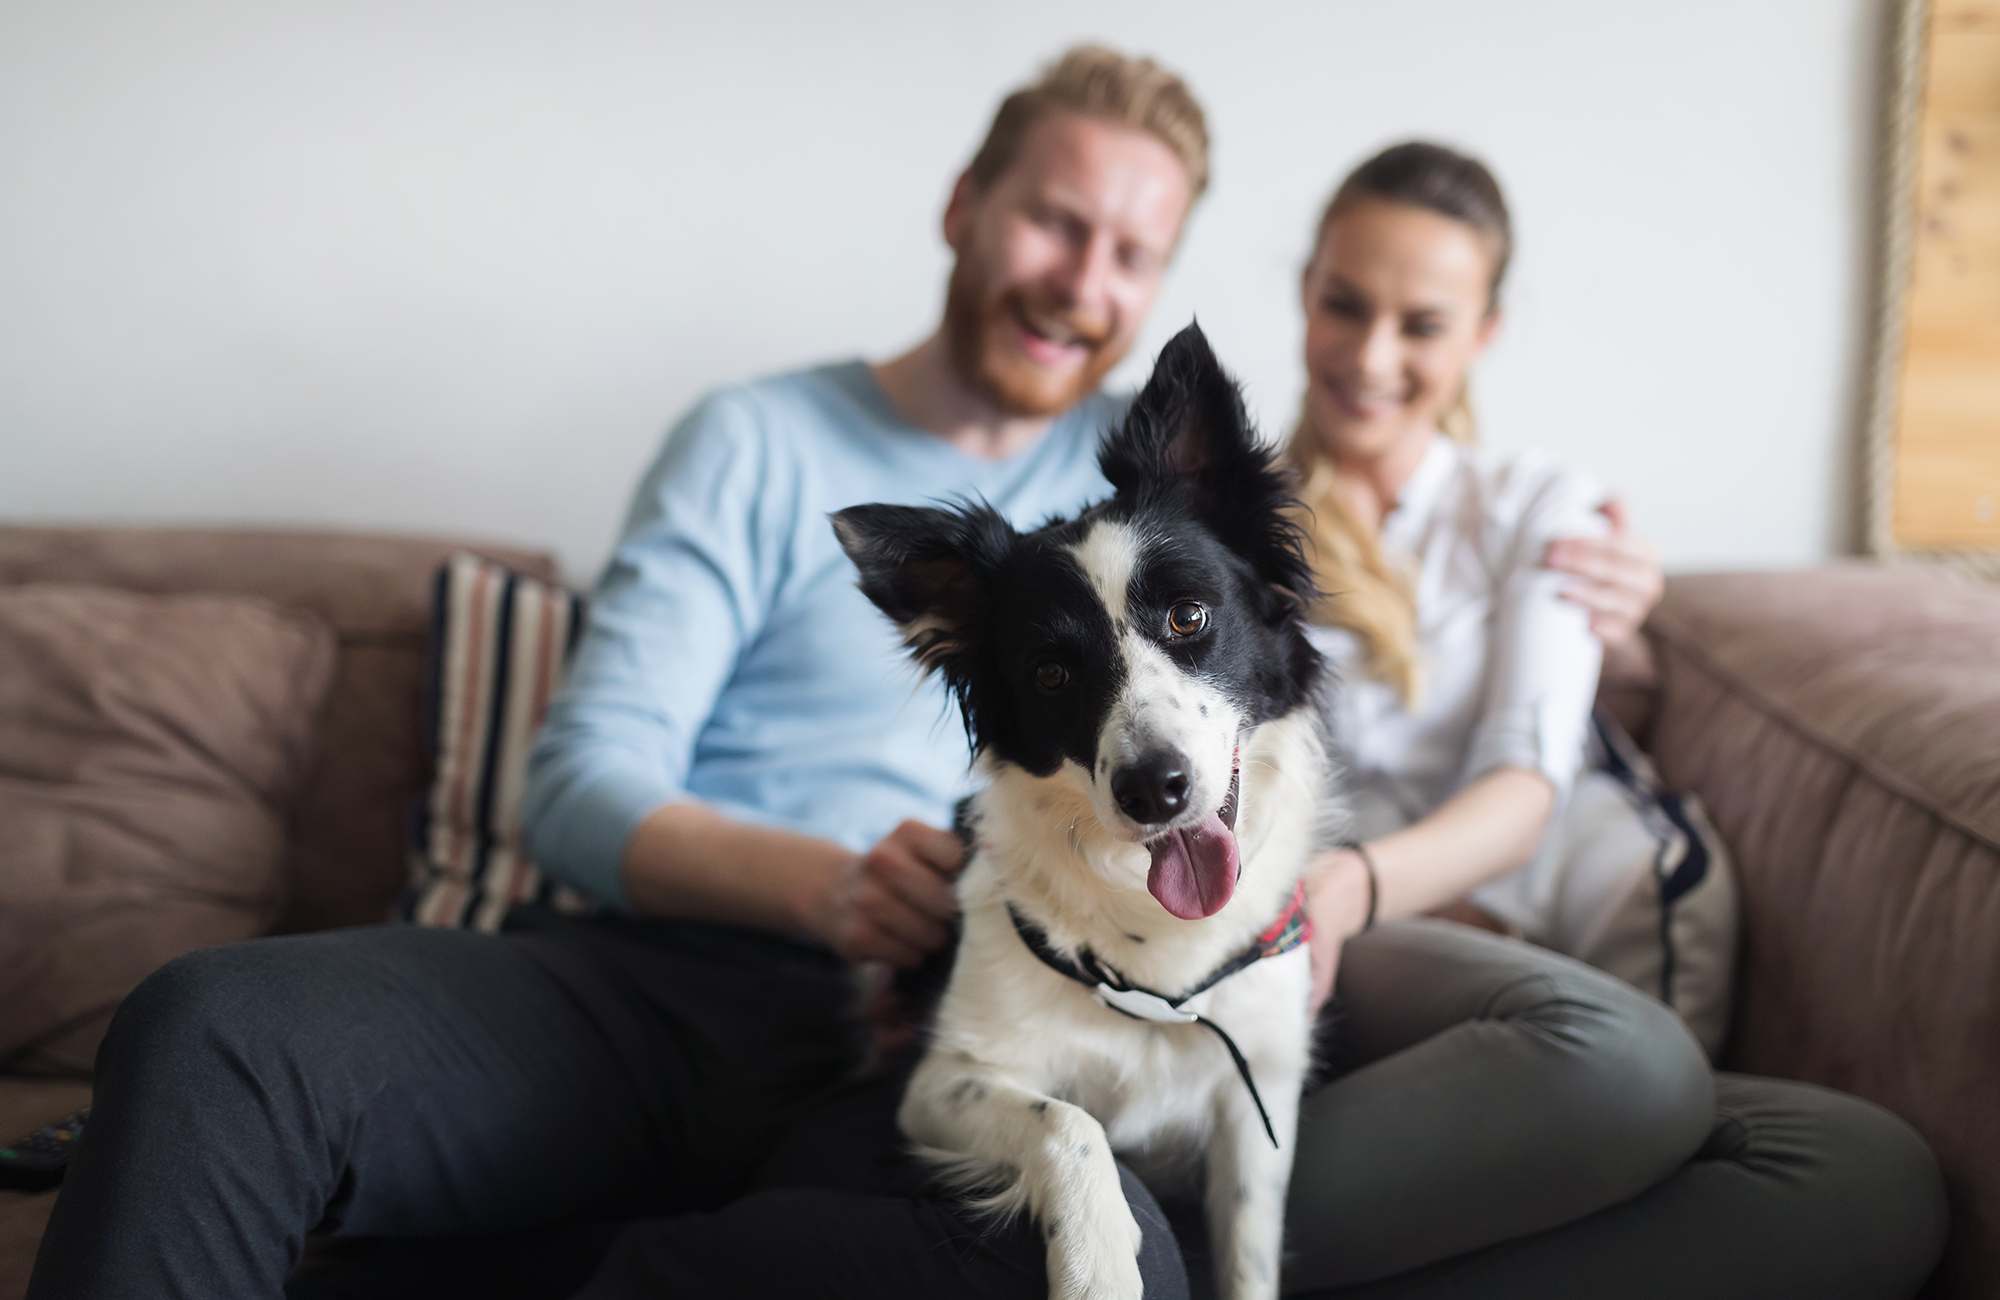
column 1947, row 422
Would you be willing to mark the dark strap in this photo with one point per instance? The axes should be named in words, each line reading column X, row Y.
column 1292, row 928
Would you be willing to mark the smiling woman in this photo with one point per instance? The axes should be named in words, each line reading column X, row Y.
column 1558, row 1122
column 1387, row 348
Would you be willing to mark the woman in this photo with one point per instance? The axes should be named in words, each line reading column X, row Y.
column 1503, row 1121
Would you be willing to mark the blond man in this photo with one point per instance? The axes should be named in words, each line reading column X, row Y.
column 739, row 772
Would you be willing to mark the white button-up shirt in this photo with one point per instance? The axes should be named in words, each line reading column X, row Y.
column 1509, row 668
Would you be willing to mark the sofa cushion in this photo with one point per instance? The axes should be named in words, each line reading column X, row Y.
column 346, row 860
column 501, row 649
column 149, row 749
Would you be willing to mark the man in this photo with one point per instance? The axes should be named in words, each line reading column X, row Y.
column 729, row 579
column 742, row 746
column 742, row 757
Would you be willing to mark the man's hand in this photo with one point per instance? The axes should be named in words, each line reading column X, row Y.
column 891, row 903
column 1337, row 902
column 895, row 902
column 1618, row 580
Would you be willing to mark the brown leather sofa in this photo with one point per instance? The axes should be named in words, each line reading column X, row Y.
column 344, row 854
column 1842, row 725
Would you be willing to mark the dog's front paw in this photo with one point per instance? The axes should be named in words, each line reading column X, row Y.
column 1094, row 1256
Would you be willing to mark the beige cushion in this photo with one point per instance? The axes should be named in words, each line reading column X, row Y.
column 149, row 749
column 347, row 833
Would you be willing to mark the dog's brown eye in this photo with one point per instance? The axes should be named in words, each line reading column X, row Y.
column 1050, row 675
column 1187, row 618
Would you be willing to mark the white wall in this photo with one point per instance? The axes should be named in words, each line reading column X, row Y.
column 450, row 265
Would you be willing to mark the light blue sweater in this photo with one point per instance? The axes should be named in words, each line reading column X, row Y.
column 729, row 656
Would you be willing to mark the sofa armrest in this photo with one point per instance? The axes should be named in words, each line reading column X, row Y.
column 1843, row 728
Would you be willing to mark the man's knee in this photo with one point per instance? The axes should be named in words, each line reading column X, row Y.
column 203, row 1006
column 1160, row 1265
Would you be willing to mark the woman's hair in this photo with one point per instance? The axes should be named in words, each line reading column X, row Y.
column 1364, row 592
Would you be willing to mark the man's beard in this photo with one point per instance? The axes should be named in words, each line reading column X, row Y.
column 974, row 322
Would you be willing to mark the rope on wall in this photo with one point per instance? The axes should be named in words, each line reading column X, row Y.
column 1902, row 124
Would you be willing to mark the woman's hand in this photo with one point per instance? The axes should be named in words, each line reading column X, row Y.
column 1618, row 580
column 1337, row 892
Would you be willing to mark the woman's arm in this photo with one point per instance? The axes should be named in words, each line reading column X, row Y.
column 1617, row 578
column 1485, row 830
column 1541, row 665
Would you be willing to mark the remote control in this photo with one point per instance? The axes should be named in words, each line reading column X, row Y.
column 37, row 1160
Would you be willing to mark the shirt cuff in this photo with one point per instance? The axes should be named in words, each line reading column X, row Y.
column 579, row 836
column 1536, row 737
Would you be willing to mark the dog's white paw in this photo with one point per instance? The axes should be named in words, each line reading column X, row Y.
column 1094, row 1256
column 1259, row 1283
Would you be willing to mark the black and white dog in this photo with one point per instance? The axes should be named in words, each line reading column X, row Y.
column 1141, row 697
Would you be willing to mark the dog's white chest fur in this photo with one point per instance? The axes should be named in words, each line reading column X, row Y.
column 1031, row 1084
column 1153, row 1086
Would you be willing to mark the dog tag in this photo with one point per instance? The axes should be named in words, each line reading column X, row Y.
column 1143, row 1006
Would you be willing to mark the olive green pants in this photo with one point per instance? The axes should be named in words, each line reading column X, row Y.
column 1501, row 1122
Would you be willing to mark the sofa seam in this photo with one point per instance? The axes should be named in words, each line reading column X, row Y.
column 1900, row 786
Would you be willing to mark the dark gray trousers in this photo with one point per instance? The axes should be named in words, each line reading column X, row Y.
column 478, row 1115
column 1500, row 1122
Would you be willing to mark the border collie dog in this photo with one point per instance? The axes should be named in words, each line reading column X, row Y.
column 1140, row 696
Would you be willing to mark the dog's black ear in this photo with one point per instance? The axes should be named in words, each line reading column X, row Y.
column 1189, row 436
column 922, row 567
column 1186, row 425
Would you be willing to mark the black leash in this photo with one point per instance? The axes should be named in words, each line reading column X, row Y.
column 1291, row 929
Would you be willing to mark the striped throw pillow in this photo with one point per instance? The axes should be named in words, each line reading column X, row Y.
column 500, row 643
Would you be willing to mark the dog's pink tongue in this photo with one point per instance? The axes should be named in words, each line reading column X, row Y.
column 1194, row 871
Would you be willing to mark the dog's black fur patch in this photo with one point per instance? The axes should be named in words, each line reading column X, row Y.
column 987, row 607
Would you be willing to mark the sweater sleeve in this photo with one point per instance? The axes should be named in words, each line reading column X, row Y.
column 687, row 588
column 1543, row 658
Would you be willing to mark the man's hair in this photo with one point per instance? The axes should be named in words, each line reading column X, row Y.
column 1104, row 84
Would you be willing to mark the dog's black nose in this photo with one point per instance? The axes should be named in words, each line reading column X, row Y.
column 1152, row 790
